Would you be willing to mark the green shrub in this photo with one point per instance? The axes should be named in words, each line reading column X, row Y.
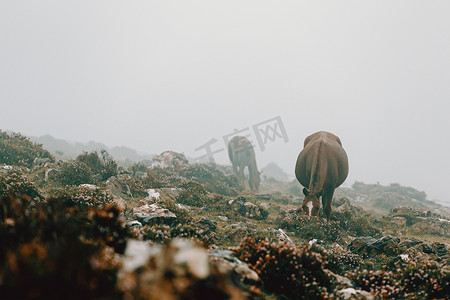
column 297, row 273
column 85, row 195
column 163, row 233
column 429, row 280
column 128, row 186
column 14, row 183
column 58, row 250
column 158, row 177
column 18, row 150
column 309, row 228
column 381, row 283
column 355, row 225
column 192, row 193
column 339, row 260
column 213, row 179
column 74, row 173
column 102, row 166
column 138, row 167
column 87, row 168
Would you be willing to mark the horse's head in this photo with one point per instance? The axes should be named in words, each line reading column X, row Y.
column 314, row 198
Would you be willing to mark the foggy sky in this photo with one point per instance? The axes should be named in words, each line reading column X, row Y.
column 160, row 75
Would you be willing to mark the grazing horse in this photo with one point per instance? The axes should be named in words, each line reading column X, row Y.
column 242, row 155
column 321, row 167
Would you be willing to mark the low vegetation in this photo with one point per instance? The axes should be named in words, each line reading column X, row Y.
column 65, row 226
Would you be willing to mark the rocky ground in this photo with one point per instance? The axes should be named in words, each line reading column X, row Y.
column 174, row 230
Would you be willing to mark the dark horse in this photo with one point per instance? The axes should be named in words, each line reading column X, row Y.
column 242, row 155
column 321, row 167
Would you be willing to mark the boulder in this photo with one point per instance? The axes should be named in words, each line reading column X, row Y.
column 415, row 254
column 414, row 216
column 149, row 214
column 441, row 249
column 208, row 223
column 344, row 204
column 247, row 209
column 409, row 243
column 170, row 160
column 226, row 262
column 387, row 245
column 419, row 251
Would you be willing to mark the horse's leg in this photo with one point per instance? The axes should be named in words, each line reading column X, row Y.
column 241, row 176
column 250, row 181
column 235, row 170
column 327, row 197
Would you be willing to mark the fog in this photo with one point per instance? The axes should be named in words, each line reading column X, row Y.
column 172, row 75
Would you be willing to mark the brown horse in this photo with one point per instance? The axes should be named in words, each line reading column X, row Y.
column 242, row 155
column 321, row 167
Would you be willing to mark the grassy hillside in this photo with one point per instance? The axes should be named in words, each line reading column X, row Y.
column 88, row 229
column 65, row 150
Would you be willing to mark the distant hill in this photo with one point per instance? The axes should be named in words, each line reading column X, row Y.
column 272, row 170
column 64, row 150
column 17, row 149
column 381, row 199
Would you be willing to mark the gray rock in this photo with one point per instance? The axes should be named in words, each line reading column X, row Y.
column 344, row 204
column 222, row 218
column 387, row 245
column 246, row 209
column 170, row 159
column 227, row 262
column 208, row 223
column 153, row 214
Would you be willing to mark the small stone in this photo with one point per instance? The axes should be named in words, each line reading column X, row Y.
column 222, row 218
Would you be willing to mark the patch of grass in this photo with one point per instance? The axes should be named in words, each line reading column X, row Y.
column 309, row 228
